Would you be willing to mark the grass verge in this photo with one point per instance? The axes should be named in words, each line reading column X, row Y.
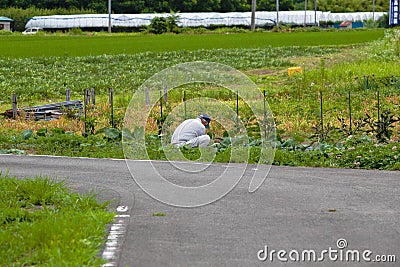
column 42, row 223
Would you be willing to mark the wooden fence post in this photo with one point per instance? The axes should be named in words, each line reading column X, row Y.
column 265, row 115
column 14, row 106
column 379, row 106
column 165, row 93
column 147, row 94
column 321, row 114
column 67, row 95
column 93, row 95
column 350, row 115
column 87, row 97
column 161, row 107
column 111, row 100
column 84, row 108
column 237, row 110
column 184, row 102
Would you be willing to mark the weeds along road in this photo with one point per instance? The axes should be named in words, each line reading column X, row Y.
column 301, row 216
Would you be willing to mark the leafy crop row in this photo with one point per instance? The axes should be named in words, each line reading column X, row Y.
column 46, row 78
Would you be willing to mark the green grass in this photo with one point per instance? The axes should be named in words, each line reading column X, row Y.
column 42, row 223
column 55, row 45
column 68, row 144
column 160, row 214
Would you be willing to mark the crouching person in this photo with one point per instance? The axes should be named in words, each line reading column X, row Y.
column 192, row 132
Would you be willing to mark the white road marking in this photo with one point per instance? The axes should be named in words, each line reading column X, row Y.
column 116, row 237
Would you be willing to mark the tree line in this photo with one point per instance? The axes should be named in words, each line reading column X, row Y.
column 150, row 6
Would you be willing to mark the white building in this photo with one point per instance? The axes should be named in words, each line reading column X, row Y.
column 5, row 23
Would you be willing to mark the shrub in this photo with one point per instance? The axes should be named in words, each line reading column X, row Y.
column 75, row 31
column 4, row 32
column 160, row 25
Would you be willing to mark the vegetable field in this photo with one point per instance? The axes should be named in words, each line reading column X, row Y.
column 345, row 97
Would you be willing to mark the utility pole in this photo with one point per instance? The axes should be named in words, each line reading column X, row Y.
column 253, row 15
column 305, row 13
column 315, row 13
column 277, row 14
column 109, row 16
column 373, row 12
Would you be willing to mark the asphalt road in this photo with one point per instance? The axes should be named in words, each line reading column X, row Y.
column 337, row 214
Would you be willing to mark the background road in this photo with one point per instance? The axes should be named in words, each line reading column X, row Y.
column 296, row 209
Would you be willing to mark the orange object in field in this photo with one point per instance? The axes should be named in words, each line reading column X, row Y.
column 294, row 70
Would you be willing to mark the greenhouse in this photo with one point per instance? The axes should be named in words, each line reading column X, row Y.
column 262, row 18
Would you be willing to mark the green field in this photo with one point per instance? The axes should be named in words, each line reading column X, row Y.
column 350, row 68
column 91, row 45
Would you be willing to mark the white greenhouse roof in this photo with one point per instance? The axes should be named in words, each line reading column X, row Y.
column 195, row 19
column 6, row 19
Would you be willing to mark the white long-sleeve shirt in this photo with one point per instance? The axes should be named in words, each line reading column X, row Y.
column 188, row 130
